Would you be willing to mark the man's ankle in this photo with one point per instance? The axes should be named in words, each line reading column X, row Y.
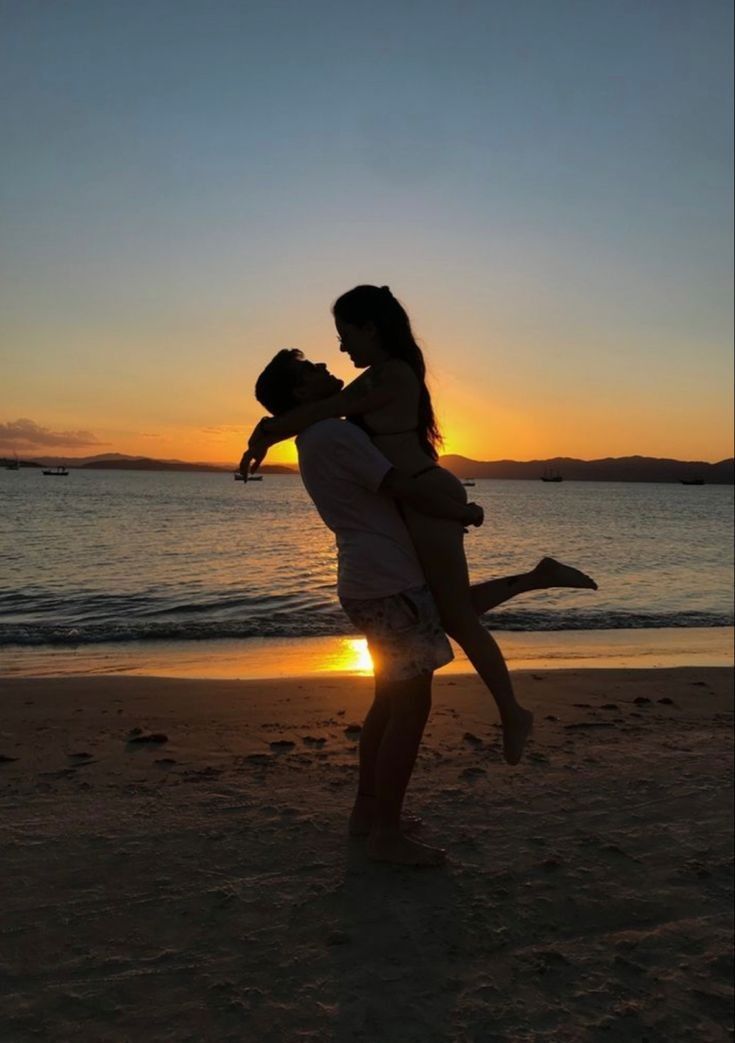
column 387, row 828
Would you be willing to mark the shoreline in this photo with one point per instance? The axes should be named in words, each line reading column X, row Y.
column 263, row 658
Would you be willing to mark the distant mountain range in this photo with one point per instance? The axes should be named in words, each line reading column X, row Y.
column 121, row 462
column 609, row 469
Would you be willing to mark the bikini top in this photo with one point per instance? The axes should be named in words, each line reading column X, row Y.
column 362, row 423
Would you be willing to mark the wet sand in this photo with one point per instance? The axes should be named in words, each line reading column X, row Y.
column 203, row 888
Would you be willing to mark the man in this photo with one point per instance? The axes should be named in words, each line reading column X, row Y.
column 383, row 592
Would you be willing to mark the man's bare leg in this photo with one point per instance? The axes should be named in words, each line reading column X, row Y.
column 410, row 703
column 365, row 807
column 546, row 574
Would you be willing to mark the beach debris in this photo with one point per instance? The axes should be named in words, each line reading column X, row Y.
column 666, row 701
column 313, row 740
column 154, row 738
column 551, row 864
column 353, row 730
column 5, row 759
column 609, row 706
column 338, row 938
column 165, row 760
column 583, row 706
column 589, row 724
column 474, row 740
column 550, row 717
column 282, row 744
column 641, row 700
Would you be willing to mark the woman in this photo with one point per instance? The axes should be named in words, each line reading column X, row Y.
column 391, row 402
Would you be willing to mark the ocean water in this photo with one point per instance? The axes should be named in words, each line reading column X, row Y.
column 121, row 556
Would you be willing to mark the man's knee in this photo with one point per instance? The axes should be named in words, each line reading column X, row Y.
column 412, row 697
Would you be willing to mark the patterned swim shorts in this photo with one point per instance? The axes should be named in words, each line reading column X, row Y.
column 403, row 631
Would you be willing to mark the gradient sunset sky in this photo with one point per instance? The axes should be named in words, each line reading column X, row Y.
column 545, row 184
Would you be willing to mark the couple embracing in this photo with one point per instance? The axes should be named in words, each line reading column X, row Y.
column 368, row 459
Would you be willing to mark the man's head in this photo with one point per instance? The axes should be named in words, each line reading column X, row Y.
column 289, row 380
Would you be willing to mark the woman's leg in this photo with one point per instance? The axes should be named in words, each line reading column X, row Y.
column 548, row 573
column 439, row 545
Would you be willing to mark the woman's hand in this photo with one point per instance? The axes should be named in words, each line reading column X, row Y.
column 475, row 514
column 258, row 445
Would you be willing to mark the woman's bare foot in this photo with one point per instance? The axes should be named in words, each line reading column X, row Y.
column 360, row 825
column 399, row 850
column 517, row 726
column 552, row 573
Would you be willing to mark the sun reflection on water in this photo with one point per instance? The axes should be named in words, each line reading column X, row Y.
column 350, row 656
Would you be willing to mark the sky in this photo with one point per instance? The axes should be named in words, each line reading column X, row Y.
column 546, row 185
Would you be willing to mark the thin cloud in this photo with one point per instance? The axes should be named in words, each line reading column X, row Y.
column 27, row 434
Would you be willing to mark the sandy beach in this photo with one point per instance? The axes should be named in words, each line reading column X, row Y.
column 204, row 888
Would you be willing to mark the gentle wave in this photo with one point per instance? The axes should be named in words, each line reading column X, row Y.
column 330, row 622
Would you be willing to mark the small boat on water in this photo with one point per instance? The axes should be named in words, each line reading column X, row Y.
column 550, row 475
column 57, row 472
column 692, row 481
column 468, row 483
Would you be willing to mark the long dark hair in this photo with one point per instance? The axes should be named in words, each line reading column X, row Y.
column 377, row 304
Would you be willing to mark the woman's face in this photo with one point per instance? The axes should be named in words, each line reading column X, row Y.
column 361, row 343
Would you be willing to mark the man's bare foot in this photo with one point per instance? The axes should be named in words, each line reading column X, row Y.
column 360, row 825
column 517, row 726
column 400, row 851
column 552, row 573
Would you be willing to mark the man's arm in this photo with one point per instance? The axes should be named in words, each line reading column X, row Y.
column 413, row 492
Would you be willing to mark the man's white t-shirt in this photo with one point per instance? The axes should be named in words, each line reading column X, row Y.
column 342, row 471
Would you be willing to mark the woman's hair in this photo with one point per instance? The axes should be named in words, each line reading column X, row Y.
column 377, row 304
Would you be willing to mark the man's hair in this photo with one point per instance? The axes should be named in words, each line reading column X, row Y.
column 274, row 387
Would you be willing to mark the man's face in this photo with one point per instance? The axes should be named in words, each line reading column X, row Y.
column 315, row 382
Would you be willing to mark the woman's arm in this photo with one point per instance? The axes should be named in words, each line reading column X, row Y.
column 362, row 395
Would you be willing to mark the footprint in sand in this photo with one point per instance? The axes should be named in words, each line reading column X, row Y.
column 473, row 773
